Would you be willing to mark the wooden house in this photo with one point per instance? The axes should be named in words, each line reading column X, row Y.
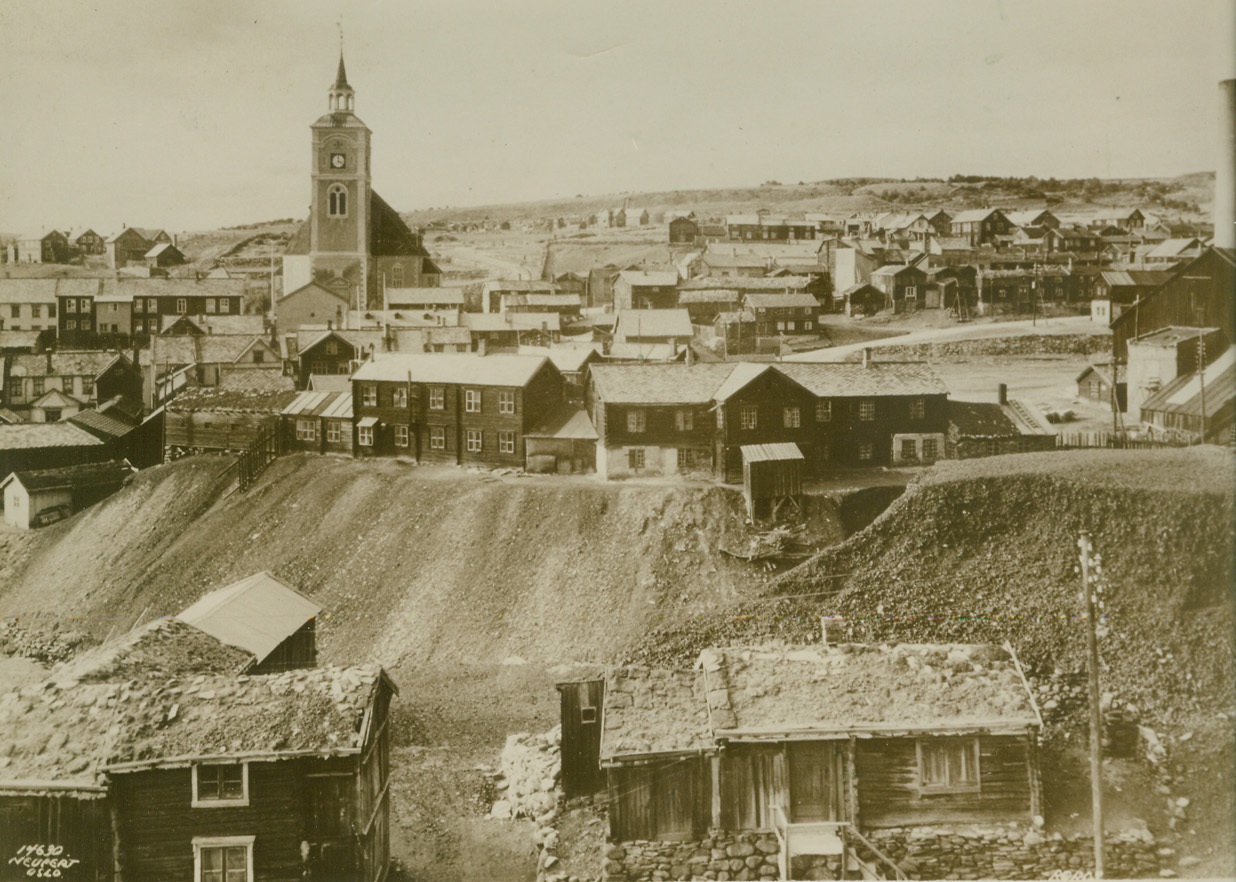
column 132, row 244
column 87, row 241
column 57, row 384
column 783, row 314
column 509, row 331
column 47, row 446
column 225, row 418
column 332, row 352
column 683, row 231
column 904, row 286
column 573, row 361
column 812, row 745
column 165, row 254
column 463, row 409
column 36, row 498
column 639, row 289
column 319, row 422
column 954, row 288
column 49, row 246
column 1196, row 407
column 733, row 331
column 28, row 304
column 651, row 334
column 861, row 299
column 704, row 305
column 980, row 226
column 759, row 405
column 431, row 299
column 1173, row 251
column 565, row 443
column 1157, row 358
column 1095, row 383
column 498, row 294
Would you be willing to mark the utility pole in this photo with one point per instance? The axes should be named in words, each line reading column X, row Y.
column 1096, row 717
column 1201, row 377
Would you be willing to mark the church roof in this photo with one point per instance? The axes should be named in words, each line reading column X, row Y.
column 341, row 77
column 389, row 235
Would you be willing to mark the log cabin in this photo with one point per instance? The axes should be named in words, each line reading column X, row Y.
column 812, row 744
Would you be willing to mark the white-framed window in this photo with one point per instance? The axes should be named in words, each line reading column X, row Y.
column 909, row 448
column 85, row 324
column 306, row 430
column 182, row 305
column 437, row 438
column 635, row 458
column 223, row 858
column 333, row 435
column 475, row 440
column 69, row 325
column 211, row 304
column 823, row 411
column 506, row 442
column 369, row 396
column 152, row 305
column 401, row 436
column 399, row 396
column 866, row 410
column 472, row 401
column 636, row 421
column 911, row 292
column 70, row 305
column 337, row 201
column 866, row 451
column 807, row 326
column 917, row 409
column 931, row 449
column 948, row 765
column 225, row 305
column 790, row 417
column 506, row 402
column 38, row 386
column 397, row 276
column 748, row 416
column 437, row 398
column 364, row 436
column 217, row 785
column 684, row 420
column 691, row 458
column 332, row 347
column 36, row 310
column 87, row 387
column 84, row 306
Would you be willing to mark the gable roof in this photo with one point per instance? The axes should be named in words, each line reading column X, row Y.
column 34, row 436
column 659, row 383
column 650, row 711
column 974, row 215
column 255, row 614
column 462, row 368
column 99, row 474
column 101, row 425
column 389, row 234
column 852, row 380
column 56, row 399
column 320, row 403
column 795, row 300
column 663, row 323
column 64, row 363
column 644, row 277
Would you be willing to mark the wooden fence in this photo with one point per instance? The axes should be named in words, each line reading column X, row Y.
column 1113, row 441
column 262, row 451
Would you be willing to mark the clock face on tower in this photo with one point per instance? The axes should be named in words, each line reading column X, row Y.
column 338, row 160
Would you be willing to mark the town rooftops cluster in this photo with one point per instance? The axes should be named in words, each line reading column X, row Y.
column 779, row 691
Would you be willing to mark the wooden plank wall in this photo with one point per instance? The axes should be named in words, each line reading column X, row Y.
column 581, row 742
column 669, row 800
column 67, row 828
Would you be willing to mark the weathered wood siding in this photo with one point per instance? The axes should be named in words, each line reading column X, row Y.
column 215, row 430
column 752, row 782
column 63, row 829
column 298, row 651
column 581, row 737
column 668, row 800
column 889, row 793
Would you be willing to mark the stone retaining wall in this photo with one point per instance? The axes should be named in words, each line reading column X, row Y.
column 982, row 852
column 1032, row 344
column 725, row 856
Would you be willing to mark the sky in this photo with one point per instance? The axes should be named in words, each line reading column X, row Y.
column 190, row 115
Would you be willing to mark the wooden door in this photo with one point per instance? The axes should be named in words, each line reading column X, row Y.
column 817, row 776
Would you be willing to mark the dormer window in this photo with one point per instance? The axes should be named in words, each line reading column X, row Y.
column 220, row 784
column 337, row 201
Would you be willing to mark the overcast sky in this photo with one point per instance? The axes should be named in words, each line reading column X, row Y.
column 189, row 115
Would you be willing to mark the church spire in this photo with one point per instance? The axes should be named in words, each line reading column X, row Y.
column 342, row 97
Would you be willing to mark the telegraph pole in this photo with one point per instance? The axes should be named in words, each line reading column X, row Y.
column 1096, row 716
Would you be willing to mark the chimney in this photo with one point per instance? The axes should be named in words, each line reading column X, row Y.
column 481, row 346
column 1002, row 393
column 866, row 356
column 329, row 325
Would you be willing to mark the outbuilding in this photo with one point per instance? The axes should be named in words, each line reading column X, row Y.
column 37, row 498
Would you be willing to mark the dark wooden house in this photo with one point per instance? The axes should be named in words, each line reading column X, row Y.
column 457, row 408
column 783, row 314
column 47, row 446
column 319, row 422
column 904, row 286
column 683, row 231
column 980, row 226
column 759, row 405
column 812, row 744
column 218, row 419
column 772, row 475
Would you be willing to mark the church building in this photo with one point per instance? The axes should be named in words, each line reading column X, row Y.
column 353, row 242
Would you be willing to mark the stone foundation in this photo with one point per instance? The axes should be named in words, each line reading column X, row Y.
column 724, row 856
column 984, row 852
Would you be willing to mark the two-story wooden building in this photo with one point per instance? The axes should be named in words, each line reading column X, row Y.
column 459, row 408
column 54, row 385
column 980, row 226
column 783, row 314
column 642, row 289
column 904, row 286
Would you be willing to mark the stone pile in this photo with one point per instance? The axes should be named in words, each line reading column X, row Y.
column 722, row 857
column 1012, row 852
column 528, row 775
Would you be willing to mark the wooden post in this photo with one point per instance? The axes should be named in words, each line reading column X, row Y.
column 716, row 791
column 1096, row 716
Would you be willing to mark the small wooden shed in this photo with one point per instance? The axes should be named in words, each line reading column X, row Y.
column 36, row 498
column 772, row 475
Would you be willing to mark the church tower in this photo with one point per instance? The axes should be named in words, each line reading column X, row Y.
column 339, row 215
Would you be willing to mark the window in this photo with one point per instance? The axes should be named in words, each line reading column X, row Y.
column 911, row 292
column 948, row 765
column 635, row 458
column 866, row 410
column 259, row 356
column 210, row 304
column 70, row 305
column 69, row 325
column 931, row 448
column 506, row 402
column 401, row 436
column 790, row 417
column 152, row 305
column 437, row 398
column 909, row 448
column 823, row 411
column 84, row 306
column 87, row 386
column 866, row 451
column 748, row 416
column 636, row 421
column 397, row 275
column 364, row 436
column 337, row 201
column 690, row 458
column 587, row 715
column 437, row 438
column 15, row 310
column 333, row 435
column 225, row 305
column 684, row 420
column 220, row 784
column 399, row 397
column 917, row 409
column 38, row 386
column 506, row 442
column 369, row 396
column 475, row 440
column 306, row 430
column 36, row 311
column 223, row 859
column 85, row 324
column 182, row 305
column 332, row 347
column 472, row 400
column 807, row 326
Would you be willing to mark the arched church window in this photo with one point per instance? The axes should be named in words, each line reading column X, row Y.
column 337, row 201
column 397, row 276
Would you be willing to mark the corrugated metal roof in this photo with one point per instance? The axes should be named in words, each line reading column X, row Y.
column 331, row 405
column 256, row 614
column 1183, row 395
column 771, row 452
column 467, row 369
